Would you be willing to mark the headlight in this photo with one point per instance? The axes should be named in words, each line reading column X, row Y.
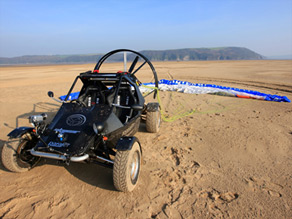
column 37, row 118
column 98, row 127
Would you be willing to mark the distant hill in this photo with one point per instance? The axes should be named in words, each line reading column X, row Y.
column 222, row 53
column 50, row 59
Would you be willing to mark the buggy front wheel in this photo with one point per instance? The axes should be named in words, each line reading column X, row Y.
column 127, row 168
column 16, row 155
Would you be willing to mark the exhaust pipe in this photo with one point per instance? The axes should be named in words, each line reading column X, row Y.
column 58, row 156
column 78, row 159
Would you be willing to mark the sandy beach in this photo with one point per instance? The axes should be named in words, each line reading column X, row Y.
column 232, row 158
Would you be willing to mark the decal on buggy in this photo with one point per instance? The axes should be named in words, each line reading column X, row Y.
column 76, row 120
column 58, row 144
column 62, row 131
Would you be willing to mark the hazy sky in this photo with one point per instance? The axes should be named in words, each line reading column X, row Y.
column 40, row 27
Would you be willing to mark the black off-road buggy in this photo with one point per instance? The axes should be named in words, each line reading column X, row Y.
column 98, row 126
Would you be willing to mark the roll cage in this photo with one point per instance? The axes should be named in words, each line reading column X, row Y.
column 120, row 91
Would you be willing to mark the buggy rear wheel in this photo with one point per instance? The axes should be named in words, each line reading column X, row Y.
column 16, row 156
column 153, row 120
column 127, row 168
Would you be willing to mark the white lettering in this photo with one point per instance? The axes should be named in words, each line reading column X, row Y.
column 58, row 144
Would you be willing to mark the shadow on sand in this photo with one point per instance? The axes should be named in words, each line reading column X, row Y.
column 93, row 174
column 41, row 107
column 89, row 173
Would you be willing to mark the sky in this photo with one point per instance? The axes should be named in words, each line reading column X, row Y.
column 39, row 27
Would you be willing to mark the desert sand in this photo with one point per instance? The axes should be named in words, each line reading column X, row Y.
column 230, row 159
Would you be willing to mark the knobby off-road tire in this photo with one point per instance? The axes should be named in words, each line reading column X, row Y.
column 153, row 120
column 127, row 167
column 15, row 154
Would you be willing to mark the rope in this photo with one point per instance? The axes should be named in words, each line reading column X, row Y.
column 180, row 114
column 166, row 117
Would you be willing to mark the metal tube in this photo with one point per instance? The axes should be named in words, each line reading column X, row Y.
column 58, row 156
column 104, row 159
column 48, row 155
column 73, row 85
column 78, row 159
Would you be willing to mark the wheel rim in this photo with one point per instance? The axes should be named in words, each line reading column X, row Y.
column 24, row 157
column 135, row 167
column 158, row 119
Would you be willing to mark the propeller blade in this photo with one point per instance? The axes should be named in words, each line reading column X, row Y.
column 139, row 68
column 133, row 64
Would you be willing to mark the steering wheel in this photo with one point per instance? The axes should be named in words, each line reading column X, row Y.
column 78, row 102
column 132, row 71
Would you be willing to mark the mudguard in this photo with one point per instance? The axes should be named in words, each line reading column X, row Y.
column 126, row 143
column 18, row 132
column 152, row 107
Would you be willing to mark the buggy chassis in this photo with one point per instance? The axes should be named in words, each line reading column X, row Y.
column 96, row 127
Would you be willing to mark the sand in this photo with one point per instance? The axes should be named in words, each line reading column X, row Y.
column 231, row 159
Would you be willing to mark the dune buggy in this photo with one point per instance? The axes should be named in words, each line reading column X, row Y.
column 97, row 126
